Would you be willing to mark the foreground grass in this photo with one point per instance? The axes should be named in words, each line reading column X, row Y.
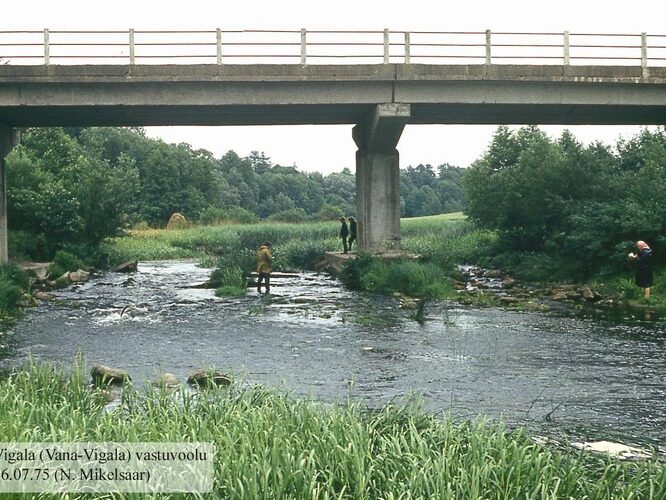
column 272, row 446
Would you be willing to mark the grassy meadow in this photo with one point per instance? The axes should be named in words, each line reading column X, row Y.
column 441, row 240
column 271, row 446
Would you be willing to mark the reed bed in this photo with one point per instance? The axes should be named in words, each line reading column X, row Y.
column 271, row 446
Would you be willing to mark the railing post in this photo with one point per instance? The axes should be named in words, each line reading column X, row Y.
column 566, row 48
column 488, row 52
column 644, row 59
column 386, row 46
column 218, row 44
column 407, row 48
column 131, row 45
column 47, row 48
column 304, row 54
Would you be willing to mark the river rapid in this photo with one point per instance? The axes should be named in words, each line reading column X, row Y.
column 559, row 375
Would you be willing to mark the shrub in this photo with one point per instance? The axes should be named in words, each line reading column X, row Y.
column 418, row 279
column 63, row 262
column 14, row 282
column 240, row 215
column 291, row 215
column 229, row 282
column 301, row 254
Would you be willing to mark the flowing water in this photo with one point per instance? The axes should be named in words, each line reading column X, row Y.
column 583, row 377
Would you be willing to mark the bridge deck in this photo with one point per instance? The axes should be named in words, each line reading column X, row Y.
column 209, row 94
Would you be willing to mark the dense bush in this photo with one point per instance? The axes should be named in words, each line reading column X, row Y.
column 63, row 262
column 417, row 279
column 578, row 210
column 229, row 281
column 14, row 283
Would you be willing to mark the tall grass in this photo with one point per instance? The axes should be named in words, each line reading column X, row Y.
column 270, row 446
column 295, row 246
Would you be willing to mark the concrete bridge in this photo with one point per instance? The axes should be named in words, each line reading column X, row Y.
column 379, row 99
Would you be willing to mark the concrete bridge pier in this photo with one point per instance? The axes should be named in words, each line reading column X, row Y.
column 8, row 139
column 378, row 177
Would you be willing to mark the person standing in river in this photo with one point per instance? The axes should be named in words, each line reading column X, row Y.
column 352, row 232
column 344, row 232
column 264, row 269
column 643, row 266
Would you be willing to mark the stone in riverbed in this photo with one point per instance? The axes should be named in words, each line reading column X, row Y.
column 619, row 450
column 127, row 267
column 208, row 379
column 166, row 381
column 104, row 375
column 79, row 276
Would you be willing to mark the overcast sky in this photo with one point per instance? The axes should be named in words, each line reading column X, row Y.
column 330, row 148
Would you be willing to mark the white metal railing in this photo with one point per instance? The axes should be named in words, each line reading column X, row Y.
column 326, row 47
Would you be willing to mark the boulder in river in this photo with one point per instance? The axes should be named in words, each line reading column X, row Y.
column 41, row 295
column 166, row 381
column 208, row 378
column 79, row 276
column 104, row 375
column 127, row 267
column 619, row 450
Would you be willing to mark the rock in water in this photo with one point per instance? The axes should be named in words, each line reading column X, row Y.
column 127, row 267
column 104, row 375
column 208, row 378
column 167, row 381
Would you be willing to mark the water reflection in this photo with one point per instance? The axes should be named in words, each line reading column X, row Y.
column 582, row 375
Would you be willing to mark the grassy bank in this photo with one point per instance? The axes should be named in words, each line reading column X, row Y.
column 272, row 446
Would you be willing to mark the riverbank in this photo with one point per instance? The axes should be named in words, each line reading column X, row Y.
column 269, row 445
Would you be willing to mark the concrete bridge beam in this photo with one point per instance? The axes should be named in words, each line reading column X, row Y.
column 8, row 139
column 378, row 177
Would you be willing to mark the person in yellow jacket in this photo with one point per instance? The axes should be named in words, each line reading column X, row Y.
column 264, row 261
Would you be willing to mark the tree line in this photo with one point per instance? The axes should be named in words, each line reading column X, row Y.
column 568, row 210
column 73, row 187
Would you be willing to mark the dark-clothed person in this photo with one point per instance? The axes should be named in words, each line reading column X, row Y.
column 352, row 232
column 643, row 266
column 264, row 269
column 344, row 232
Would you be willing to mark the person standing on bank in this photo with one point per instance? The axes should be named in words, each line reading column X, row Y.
column 344, row 232
column 264, row 261
column 643, row 265
column 352, row 232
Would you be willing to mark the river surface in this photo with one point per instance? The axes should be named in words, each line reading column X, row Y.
column 558, row 375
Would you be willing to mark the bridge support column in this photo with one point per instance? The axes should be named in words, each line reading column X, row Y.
column 378, row 178
column 8, row 139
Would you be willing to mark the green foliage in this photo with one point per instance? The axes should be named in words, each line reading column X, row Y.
column 14, row 283
column 578, row 210
column 292, row 215
column 424, row 192
column 64, row 262
column 273, row 446
column 230, row 282
column 79, row 186
column 302, row 254
column 417, row 279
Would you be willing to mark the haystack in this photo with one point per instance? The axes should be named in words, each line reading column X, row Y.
column 177, row 221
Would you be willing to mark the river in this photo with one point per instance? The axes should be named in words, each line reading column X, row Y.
column 564, row 376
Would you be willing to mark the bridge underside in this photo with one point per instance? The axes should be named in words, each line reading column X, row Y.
column 421, row 114
column 378, row 99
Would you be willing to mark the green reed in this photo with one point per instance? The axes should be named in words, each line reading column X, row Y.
column 272, row 446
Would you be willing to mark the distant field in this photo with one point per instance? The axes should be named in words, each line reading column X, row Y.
column 440, row 217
